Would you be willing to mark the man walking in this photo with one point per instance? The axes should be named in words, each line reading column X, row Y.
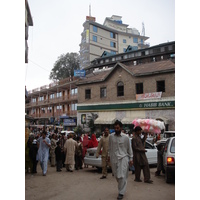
column 103, row 143
column 44, row 144
column 121, row 156
column 69, row 149
column 140, row 159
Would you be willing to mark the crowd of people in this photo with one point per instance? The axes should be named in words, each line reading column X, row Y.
column 120, row 151
column 61, row 151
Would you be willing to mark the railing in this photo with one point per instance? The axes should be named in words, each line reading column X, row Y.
column 58, row 113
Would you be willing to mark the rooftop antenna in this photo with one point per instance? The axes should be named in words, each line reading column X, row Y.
column 90, row 10
column 143, row 29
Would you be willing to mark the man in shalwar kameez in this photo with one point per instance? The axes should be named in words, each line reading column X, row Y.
column 69, row 149
column 140, row 158
column 121, row 156
column 44, row 144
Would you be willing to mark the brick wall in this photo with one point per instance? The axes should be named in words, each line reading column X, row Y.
column 119, row 74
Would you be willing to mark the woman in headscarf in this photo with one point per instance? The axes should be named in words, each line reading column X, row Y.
column 93, row 142
column 85, row 146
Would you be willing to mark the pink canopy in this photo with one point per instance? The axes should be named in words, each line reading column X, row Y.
column 149, row 125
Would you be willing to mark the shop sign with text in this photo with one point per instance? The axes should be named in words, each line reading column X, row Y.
column 153, row 95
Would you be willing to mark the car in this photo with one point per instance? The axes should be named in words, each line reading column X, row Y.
column 67, row 132
column 169, row 160
column 165, row 136
column 90, row 156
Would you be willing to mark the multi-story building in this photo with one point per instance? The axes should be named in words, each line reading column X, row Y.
column 28, row 22
column 134, row 84
column 51, row 103
column 113, row 36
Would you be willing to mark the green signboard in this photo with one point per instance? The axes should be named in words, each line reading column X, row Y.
column 129, row 106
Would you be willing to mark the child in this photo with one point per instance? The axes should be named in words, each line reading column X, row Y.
column 58, row 157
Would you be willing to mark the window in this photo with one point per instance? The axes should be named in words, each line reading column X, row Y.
column 41, row 98
column 113, row 52
column 134, row 48
column 74, row 106
column 59, row 94
column 34, row 100
column 33, row 111
column 124, row 40
column 141, row 41
column 59, row 107
column 135, row 40
column 172, row 149
column 103, row 92
column 160, row 86
column 112, row 35
column 43, row 110
column 95, row 29
column 118, row 58
column 124, row 50
column 120, row 89
column 74, row 91
column 139, row 88
column 88, row 94
column 49, row 109
column 94, row 38
column 52, row 96
column 112, row 44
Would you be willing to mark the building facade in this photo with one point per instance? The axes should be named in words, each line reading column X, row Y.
column 55, row 103
column 28, row 22
column 113, row 36
column 130, row 85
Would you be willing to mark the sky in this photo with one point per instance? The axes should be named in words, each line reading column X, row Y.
column 57, row 28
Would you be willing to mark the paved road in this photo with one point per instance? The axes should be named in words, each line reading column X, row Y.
column 85, row 184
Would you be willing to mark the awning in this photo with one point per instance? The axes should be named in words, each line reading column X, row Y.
column 131, row 115
column 105, row 118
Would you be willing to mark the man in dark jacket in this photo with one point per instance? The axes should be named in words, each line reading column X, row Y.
column 58, row 153
column 33, row 154
column 139, row 157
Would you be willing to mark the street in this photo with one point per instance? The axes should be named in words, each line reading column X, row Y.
column 85, row 184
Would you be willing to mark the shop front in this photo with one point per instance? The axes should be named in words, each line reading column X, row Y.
column 162, row 109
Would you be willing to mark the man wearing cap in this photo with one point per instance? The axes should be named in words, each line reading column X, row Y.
column 120, row 156
column 139, row 157
column 44, row 144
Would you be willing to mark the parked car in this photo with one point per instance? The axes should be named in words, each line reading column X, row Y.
column 165, row 136
column 90, row 156
column 67, row 132
column 169, row 160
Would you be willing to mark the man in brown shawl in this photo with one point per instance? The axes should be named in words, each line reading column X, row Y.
column 139, row 157
column 69, row 149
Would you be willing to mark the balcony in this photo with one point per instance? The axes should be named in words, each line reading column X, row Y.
column 72, row 113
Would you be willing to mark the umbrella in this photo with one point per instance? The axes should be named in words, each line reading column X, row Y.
column 149, row 125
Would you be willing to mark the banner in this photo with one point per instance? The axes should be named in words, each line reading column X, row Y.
column 153, row 95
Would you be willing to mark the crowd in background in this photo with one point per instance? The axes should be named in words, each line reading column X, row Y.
column 57, row 149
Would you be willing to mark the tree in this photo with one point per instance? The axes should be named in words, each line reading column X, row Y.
column 65, row 66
